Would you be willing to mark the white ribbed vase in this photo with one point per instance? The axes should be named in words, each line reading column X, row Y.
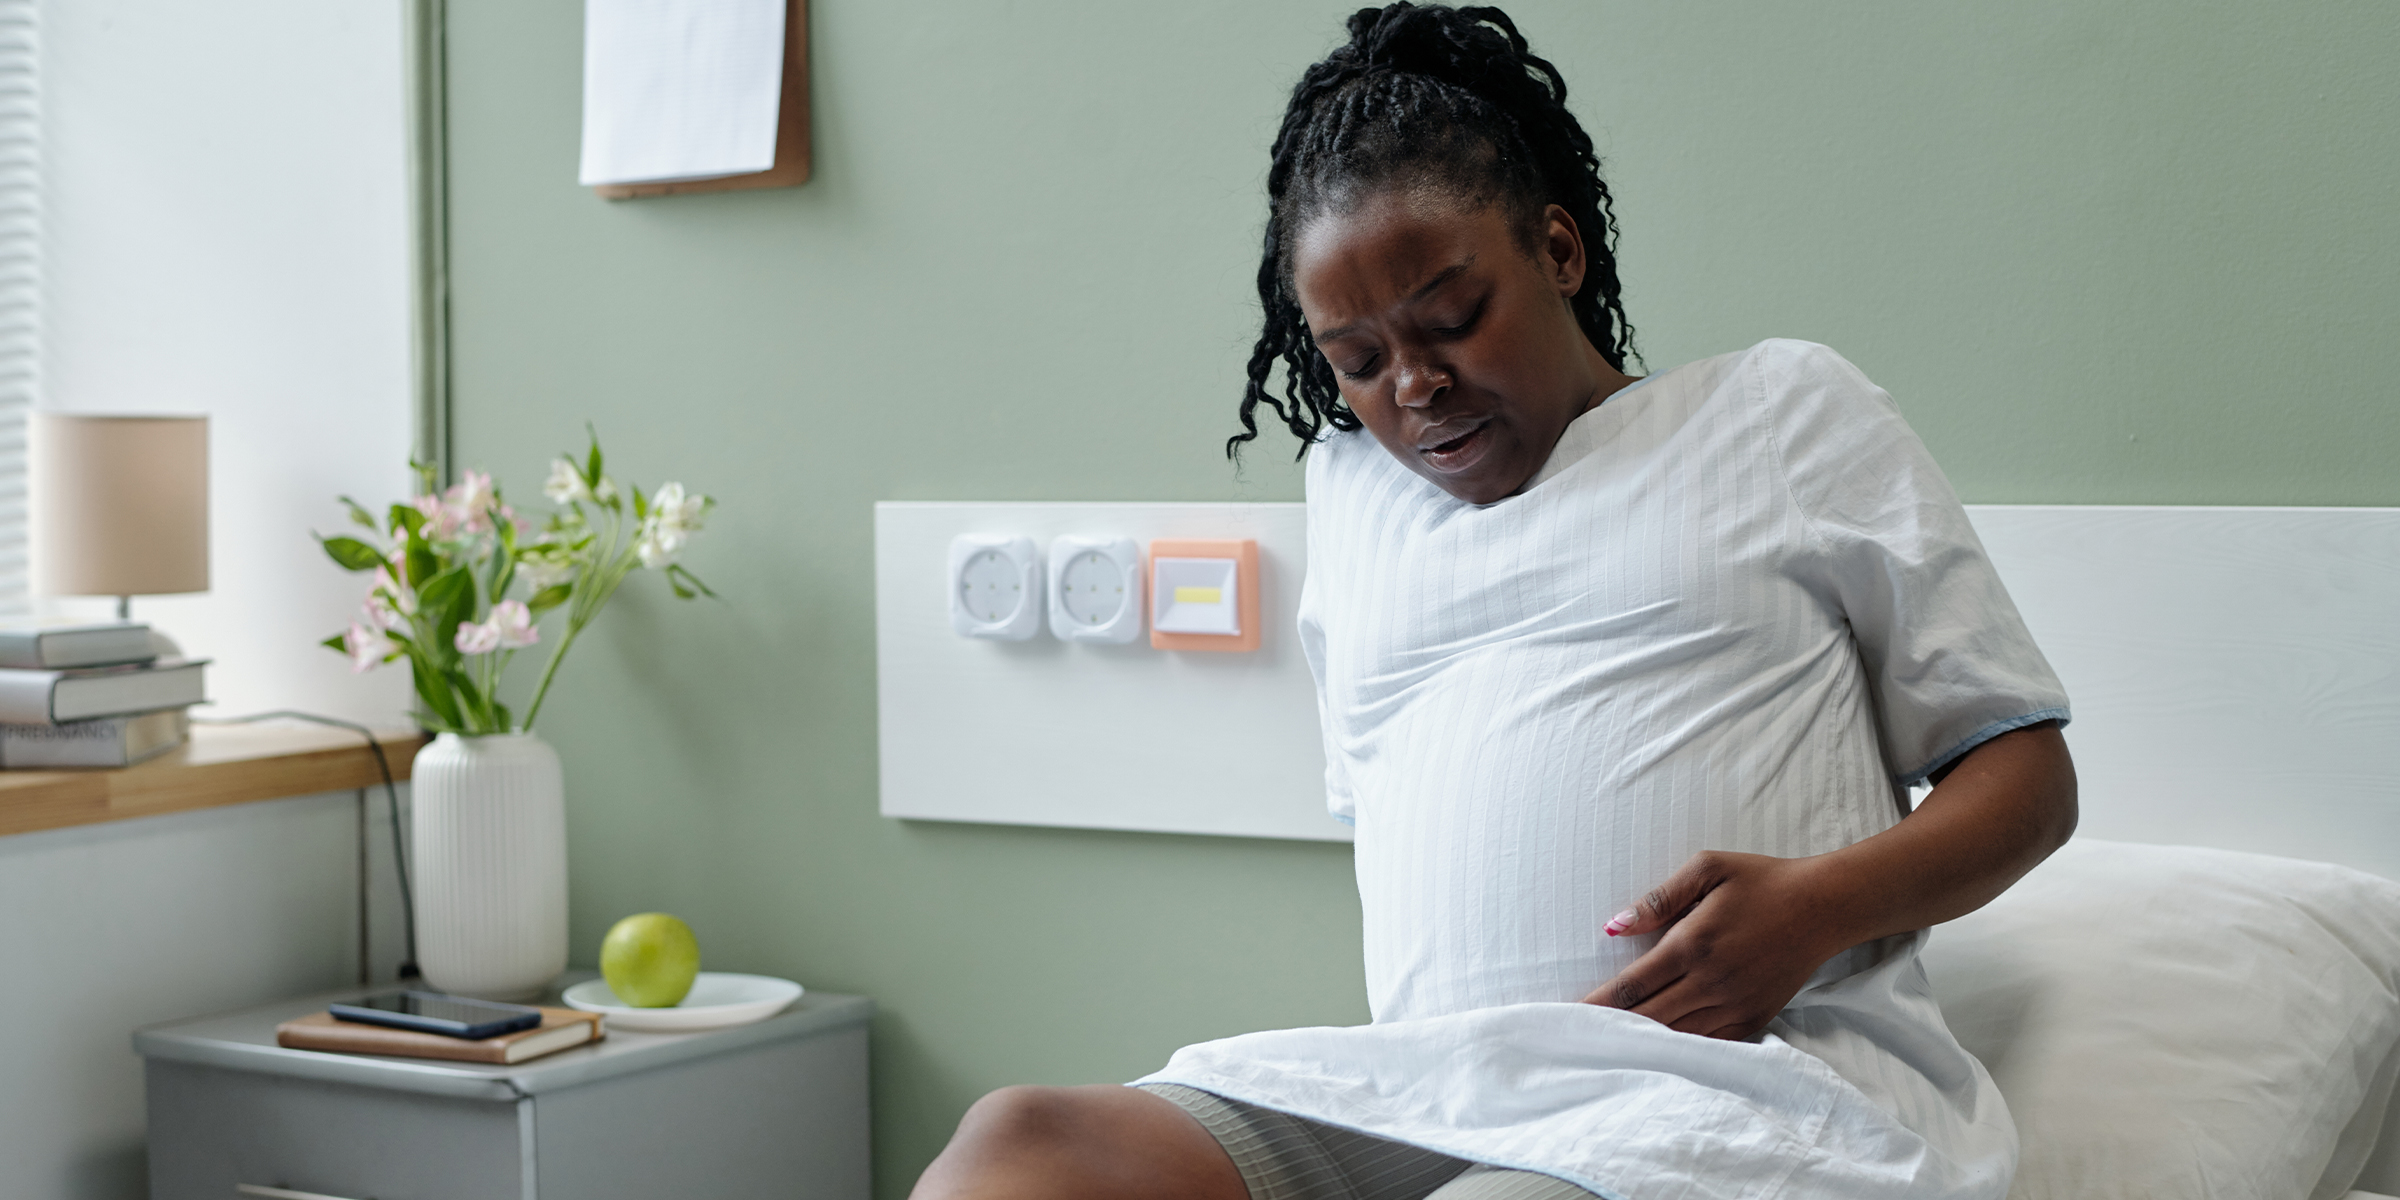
column 490, row 832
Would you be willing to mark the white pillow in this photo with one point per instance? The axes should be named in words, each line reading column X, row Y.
column 2169, row 1022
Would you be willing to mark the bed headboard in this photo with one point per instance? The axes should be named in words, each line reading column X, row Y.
column 2235, row 672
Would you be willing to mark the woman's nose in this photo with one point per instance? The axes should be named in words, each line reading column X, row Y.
column 1418, row 385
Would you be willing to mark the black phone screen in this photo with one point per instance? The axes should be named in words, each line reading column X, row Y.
column 439, row 1008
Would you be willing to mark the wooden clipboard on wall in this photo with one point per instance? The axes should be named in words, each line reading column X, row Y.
column 791, row 130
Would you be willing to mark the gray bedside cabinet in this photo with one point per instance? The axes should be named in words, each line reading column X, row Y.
column 776, row 1109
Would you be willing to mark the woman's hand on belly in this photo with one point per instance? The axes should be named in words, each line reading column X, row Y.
column 1745, row 931
column 1743, row 934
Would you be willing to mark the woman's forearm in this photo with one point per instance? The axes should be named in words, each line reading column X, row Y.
column 1999, row 812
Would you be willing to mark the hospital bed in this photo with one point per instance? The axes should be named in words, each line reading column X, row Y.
column 2200, row 996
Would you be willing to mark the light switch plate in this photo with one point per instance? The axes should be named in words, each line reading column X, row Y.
column 1204, row 594
column 995, row 586
column 1095, row 589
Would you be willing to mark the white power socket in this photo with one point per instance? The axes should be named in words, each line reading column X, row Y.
column 995, row 586
column 1095, row 589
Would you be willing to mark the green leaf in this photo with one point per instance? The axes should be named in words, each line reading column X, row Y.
column 445, row 604
column 474, row 705
column 352, row 554
column 421, row 562
column 358, row 513
column 641, row 507
column 407, row 520
column 549, row 598
column 679, row 577
column 438, row 700
column 591, row 468
column 336, row 643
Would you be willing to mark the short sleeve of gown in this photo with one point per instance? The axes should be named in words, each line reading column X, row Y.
column 1338, row 799
column 1949, row 660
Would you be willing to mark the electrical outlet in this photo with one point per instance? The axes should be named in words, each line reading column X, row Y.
column 995, row 587
column 1095, row 589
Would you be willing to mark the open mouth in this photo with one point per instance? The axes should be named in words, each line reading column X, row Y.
column 1459, row 450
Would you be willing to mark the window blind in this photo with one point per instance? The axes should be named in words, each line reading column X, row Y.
column 20, row 279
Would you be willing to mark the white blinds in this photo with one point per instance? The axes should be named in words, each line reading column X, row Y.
column 20, row 278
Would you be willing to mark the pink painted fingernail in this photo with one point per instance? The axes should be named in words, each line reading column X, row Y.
column 1621, row 922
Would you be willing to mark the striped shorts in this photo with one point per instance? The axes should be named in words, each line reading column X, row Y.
column 1283, row 1157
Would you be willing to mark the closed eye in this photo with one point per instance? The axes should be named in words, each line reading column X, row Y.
column 1463, row 327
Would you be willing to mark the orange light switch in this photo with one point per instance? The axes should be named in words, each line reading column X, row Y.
column 1204, row 595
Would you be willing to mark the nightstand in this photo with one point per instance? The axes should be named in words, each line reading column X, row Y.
column 777, row 1108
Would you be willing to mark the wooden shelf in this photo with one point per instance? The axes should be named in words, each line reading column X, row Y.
column 222, row 764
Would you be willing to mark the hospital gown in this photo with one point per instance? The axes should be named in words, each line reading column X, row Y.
column 1738, row 609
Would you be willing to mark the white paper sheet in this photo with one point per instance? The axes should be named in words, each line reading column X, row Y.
column 679, row 89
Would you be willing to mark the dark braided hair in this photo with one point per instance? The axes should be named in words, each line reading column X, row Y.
column 1423, row 96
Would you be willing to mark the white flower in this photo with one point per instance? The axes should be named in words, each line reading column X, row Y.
column 673, row 519
column 672, row 510
column 565, row 485
column 477, row 639
column 605, row 490
column 366, row 647
column 546, row 571
column 659, row 545
column 512, row 624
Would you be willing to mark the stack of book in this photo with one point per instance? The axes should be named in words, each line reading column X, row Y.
column 91, row 696
column 561, row 1028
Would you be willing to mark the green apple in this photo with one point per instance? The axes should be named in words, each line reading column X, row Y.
column 650, row 960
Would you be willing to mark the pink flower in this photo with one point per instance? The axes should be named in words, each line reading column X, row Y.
column 510, row 627
column 470, row 501
column 441, row 520
column 366, row 647
column 512, row 623
column 388, row 603
column 477, row 639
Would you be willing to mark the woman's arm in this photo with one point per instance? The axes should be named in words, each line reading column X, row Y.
column 1745, row 931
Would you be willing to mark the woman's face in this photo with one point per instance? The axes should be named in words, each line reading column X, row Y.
column 1453, row 345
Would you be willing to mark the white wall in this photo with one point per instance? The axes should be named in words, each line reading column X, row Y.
column 226, row 232
column 106, row 928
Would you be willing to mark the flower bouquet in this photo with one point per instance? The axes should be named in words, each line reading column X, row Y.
column 462, row 582
column 461, row 585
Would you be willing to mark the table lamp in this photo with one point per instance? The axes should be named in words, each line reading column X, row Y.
column 118, row 506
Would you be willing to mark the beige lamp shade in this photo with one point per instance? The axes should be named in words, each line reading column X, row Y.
column 118, row 506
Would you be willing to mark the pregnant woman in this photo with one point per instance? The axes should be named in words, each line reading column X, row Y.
column 1624, row 683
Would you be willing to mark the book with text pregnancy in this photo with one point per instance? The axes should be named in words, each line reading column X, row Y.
column 561, row 1028
column 106, row 742
column 30, row 697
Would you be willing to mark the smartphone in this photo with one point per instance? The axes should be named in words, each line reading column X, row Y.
column 432, row 1012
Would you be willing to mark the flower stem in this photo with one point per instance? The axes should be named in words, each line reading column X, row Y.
column 543, row 689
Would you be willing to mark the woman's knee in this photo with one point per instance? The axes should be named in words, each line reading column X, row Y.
column 1029, row 1118
column 1011, row 1137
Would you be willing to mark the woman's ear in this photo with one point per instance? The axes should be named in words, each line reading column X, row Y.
column 1562, row 251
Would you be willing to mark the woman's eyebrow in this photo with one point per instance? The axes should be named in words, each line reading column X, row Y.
column 1431, row 286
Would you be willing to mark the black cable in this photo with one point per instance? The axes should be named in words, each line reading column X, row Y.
column 391, row 792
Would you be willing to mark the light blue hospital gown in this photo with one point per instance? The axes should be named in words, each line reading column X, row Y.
column 1738, row 609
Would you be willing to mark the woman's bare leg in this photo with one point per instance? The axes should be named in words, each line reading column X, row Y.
column 1080, row 1143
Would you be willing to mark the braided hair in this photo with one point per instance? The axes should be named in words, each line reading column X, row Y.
column 1427, row 96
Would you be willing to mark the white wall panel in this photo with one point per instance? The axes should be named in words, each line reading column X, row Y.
column 1104, row 737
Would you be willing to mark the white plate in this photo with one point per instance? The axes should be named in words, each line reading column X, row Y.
column 717, row 999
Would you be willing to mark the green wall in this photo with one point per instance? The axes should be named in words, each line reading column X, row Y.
column 2101, row 252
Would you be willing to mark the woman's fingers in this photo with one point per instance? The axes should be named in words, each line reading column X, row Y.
column 1670, row 900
